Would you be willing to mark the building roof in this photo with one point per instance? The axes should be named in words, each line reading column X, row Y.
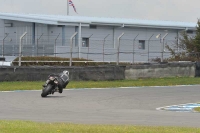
column 76, row 20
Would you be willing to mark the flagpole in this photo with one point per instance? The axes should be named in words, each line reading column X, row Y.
column 67, row 7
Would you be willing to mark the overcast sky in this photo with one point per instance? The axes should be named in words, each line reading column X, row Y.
column 173, row 10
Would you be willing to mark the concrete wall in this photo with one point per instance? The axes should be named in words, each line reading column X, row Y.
column 102, row 72
column 76, row 73
column 197, row 71
column 161, row 70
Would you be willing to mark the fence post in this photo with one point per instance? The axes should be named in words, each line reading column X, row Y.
column 37, row 42
column 33, row 50
column 104, row 45
column 13, row 50
column 71, row 46
column 89, row 46
column 134, row 46
column 148, row 46
column 3, row 44
column 163, row 46
column 55, row 44
column 20, row 47
column 43, row 49
column 118, row 39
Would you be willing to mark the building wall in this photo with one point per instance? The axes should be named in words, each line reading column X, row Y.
column 2, row 30
column 47, row 44
column 127, row 43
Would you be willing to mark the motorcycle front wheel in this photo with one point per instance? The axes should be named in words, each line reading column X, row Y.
column 46, row 90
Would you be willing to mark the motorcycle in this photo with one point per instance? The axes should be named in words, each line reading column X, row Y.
column 55, row 83
column 50, row 87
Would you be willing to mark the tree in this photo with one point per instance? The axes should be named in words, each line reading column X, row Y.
column 190, row 47
column 197, row 37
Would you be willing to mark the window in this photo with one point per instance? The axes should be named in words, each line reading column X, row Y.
column 189, row 31
column 8, row 24
column 93, row 26
column 141, row 44
column 85, row 42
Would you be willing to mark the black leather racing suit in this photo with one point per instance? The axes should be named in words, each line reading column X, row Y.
column 63, row 80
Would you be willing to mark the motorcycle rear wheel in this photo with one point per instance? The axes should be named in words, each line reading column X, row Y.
column 46, row 90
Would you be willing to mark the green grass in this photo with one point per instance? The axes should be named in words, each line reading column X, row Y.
column 197, row 109
column 37, row 85
column 36, row 127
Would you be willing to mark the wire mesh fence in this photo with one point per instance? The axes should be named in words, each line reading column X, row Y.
column 126, row 50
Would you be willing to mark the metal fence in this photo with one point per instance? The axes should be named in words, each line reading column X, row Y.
column 119, row 50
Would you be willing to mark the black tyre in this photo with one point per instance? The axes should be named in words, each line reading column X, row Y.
column 46, row 90
column 60, row 90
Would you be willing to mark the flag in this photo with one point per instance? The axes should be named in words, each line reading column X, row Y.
column 71, row 4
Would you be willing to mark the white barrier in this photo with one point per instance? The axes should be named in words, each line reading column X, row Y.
column 5, row 63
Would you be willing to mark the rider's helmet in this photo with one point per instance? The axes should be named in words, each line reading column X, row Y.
column 66, row 72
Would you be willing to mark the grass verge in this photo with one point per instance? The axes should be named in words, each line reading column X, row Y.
column 197, row 109
column 37, row 127
column 37, row 85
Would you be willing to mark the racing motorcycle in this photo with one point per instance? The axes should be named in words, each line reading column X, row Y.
column 55, row 83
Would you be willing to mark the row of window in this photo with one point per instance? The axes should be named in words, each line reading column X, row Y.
column 85, row 43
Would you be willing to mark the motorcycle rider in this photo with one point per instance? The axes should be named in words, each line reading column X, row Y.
column 63, row 80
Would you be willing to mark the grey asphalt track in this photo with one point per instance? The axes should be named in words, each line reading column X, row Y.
column 117, row 106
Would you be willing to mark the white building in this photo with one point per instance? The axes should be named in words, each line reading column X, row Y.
column 97, row 38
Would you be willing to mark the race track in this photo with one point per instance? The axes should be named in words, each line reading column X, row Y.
column 118, row 106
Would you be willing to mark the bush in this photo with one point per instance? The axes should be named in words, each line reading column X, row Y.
column 58, row 61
